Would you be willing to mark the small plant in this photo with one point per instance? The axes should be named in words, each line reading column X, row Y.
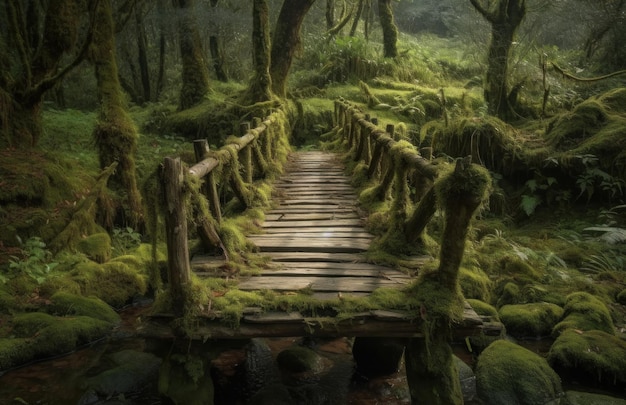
column 125, row 239
column 36, row 261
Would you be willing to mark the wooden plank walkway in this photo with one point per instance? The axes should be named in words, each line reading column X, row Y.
column 316, row 236
column 316, row 240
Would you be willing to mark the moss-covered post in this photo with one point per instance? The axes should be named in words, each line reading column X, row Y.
column 431, row 372
column 244, row 128
column 201, row 150
column 179, row 270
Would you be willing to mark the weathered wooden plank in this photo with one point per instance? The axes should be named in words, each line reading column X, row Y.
column 310, row 208
column 304, row 233
column 316, row 283
column 309, row 216
column 347, row 230
column 315, row 257
column 295, row 224
column 333, row 245
column 368, row 269
column 331, row 272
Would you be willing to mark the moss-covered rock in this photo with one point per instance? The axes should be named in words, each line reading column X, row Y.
column 39, row 335
column 509, row 295
column 475, row 283
column 584, row 311
column 297, row 359
column 510, row 374
column 621, row 297
column 530, row 320
column 64, row 303
column 113, row 282
column 588, row 398
column 97, row 247
column 186, row 380
column 132, row 370
column 590, row 356
column 484, row 309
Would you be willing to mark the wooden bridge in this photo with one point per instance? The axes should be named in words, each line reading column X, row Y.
column 314, row 236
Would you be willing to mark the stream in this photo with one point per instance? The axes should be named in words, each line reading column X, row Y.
column 61, row 380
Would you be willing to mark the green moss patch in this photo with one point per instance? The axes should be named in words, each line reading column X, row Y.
column 65, row 304
column 475, row 283
column 510, row 374
column 590, row 356
column 585, row 312
column 530, row 320
column 483, row 309
column 39, row 335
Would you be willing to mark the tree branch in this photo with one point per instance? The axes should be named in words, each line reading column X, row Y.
column 35, row 93
column 491, row 17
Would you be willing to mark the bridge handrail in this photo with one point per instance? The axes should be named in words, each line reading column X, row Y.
column 255, row 157
column 375, row 146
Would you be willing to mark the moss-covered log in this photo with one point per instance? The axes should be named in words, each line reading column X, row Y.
column 115, row 133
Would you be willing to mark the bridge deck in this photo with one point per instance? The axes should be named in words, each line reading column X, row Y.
column 316, row 239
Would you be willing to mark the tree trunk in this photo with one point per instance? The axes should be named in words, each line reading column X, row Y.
column 390, row 31
column 115, row 134
column 330, row 14
column 261, row 86
column 216, row 52
column 286, row 41
column 26, row 73
column 161, row 72
column 142, row 54
column 505, row 19
column 357, row 17
column 194, row 76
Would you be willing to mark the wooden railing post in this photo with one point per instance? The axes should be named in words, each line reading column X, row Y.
column 201, row 150
column 178, row 266
column 244, row 127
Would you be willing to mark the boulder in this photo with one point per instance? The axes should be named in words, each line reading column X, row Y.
column 507, row 373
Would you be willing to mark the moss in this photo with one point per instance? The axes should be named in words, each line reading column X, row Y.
column 475, row 283
column 512, row 265
column 114, row 282
column 299, row 359
column 584, row 311
column 530, row 320
column 590, row 356
column 64, row 303
column 510, row 374
column 510, row 294
column 41, row 335
column 484, row 309
column 97, row 247
column 621, row 297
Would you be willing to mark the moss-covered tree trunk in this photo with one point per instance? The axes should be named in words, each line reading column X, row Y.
column 216, row 52
column 261, row 86
column 286, row 41
column 194, row 75
column 330, row 14
column 115, row 134
column 431, row 372
column 505, row 18
column 357, row 18
column 390, row 31
column 30, row 52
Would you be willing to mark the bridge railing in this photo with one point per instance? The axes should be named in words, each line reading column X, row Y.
column 255, row 152
column 391, row 165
